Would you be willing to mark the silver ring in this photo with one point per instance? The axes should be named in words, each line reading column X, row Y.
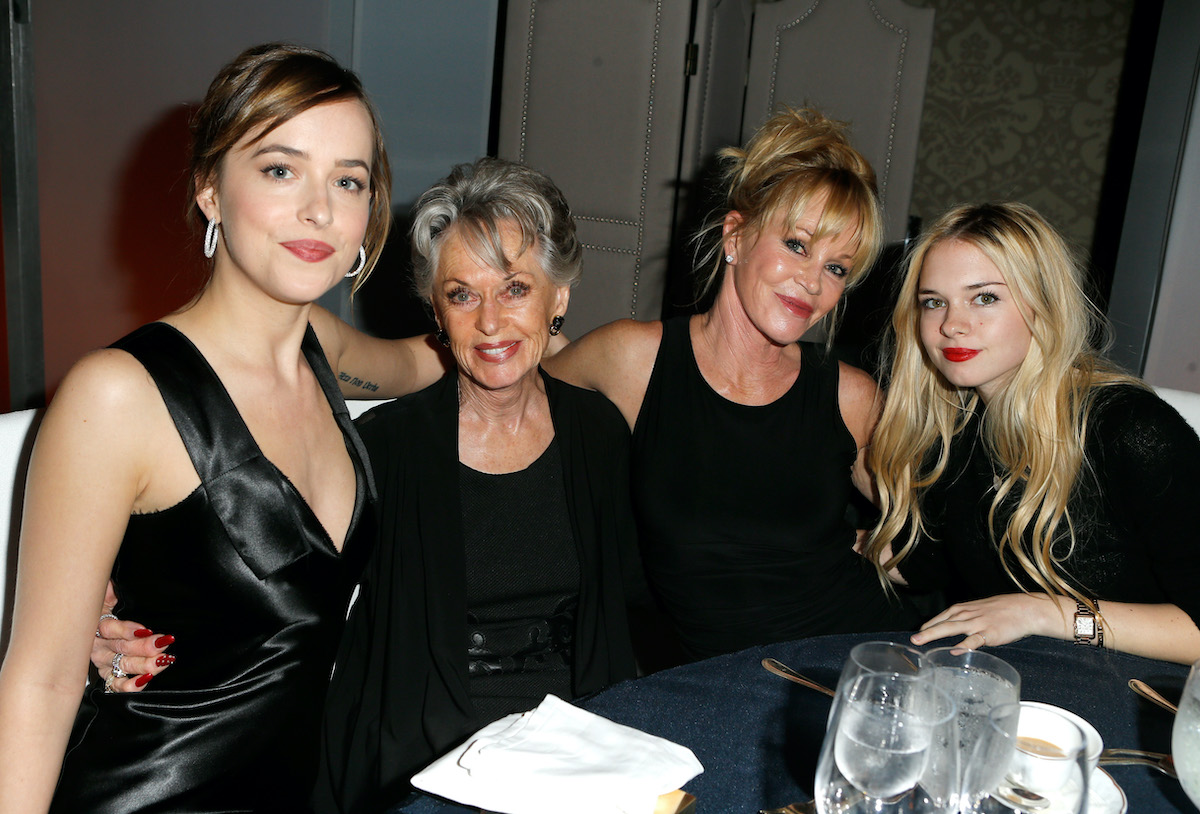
column 117, row 672
column 104, row 616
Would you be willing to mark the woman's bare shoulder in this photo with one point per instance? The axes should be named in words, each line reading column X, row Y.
column 610, row 352
column 105, row 392
column 860, row 401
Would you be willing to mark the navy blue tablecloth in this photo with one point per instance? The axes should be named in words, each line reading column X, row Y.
column 759, row 735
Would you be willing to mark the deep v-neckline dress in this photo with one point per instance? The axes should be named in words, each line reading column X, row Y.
column 244, row 575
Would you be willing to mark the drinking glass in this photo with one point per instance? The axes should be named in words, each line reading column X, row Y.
column 1049, row 766
column 1185, row 737
column 877, row 745
column 986, row 765
column 978, row 682
column 875, row 657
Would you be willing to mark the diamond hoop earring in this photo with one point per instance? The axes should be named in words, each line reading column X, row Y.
column 210, row 239
column 362, row 262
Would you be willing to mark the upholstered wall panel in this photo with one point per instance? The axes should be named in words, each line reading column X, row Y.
column 592, row 94
column 1020, row 105
column 862, row 61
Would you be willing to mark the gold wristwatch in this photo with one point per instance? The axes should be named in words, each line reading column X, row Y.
column 1088, row 629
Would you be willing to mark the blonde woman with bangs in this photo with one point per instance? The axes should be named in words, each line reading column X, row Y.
column 1040, row 488
column 746, row 441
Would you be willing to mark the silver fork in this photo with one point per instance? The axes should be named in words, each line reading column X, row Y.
column 1136, row 757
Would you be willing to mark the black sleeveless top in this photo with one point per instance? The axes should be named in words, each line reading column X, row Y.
column 742, row 510
column 248, row 580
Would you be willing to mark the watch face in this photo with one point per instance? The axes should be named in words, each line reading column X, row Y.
column 1085, row 626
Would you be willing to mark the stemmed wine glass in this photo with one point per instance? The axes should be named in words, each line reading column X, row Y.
column 1185, row 737
column 877, row 744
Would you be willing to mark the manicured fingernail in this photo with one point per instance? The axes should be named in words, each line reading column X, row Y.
column 143, row 679
column 164, row 660
column 163, row 641
column 143, row 633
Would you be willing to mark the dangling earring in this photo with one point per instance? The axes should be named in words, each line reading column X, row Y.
column 729, row 259
column 362, row 262
column 210, row 239
column 441, row 336
column 556, row 325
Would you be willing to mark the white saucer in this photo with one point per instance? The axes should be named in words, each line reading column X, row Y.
column 1104, row 797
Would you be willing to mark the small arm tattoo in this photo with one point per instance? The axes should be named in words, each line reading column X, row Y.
column 354, row 381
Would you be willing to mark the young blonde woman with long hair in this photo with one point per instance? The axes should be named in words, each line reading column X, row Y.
column 1040, row 488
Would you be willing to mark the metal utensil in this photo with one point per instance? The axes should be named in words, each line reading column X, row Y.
column 1137, row 757
column 780, row 669
column 1150, row 694
column 809, row 807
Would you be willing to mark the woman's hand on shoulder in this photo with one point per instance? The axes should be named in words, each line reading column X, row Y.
column 616, row 359
column 995, row 620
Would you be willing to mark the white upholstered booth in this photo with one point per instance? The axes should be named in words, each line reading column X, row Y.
column 1188, row 404
column 17, row 431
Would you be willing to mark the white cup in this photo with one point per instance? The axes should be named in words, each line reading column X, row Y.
column 1095, row 744
column 1052, row 750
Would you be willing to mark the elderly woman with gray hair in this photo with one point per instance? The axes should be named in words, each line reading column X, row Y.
column 505, row 530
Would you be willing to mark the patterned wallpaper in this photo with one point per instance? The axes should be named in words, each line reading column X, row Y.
column 1019, row 105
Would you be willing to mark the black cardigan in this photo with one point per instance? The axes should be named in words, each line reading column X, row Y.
column 400, row 693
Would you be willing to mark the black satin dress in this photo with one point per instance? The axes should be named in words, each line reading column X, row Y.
column 245, row 576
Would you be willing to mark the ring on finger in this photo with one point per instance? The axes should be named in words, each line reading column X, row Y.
column 117, row 672
column 982, row 636
column 108, row 684
column 104, row 616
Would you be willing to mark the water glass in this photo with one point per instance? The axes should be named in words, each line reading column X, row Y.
column 986, row 765
column 877, row 745
column 875, row 657
column 978, row 682
column 1185, row 737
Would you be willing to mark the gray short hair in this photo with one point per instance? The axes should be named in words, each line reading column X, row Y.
column 477, row 198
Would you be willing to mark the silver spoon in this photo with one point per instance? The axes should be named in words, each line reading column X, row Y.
column 1150, row 694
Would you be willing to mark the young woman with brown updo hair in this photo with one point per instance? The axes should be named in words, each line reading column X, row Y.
column 207, row 462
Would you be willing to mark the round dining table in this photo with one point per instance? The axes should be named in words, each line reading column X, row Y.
column 758, row 735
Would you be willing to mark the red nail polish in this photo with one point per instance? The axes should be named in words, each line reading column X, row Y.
column 163, row 641
column 164, row 660
column 143, row 679
column 142, row 633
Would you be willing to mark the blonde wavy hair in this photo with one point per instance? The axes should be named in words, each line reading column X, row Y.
column 1034, row 428
column 795, row 156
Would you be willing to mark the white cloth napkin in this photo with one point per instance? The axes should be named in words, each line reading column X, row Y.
column 560, row 758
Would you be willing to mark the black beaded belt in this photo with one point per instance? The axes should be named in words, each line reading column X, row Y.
column 528, row 645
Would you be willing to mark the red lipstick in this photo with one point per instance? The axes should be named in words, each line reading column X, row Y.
column 497, row 352
column 796, row 307
column 959, row 354
column 310, row 251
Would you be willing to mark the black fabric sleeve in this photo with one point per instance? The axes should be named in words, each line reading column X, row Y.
column 1147, row 460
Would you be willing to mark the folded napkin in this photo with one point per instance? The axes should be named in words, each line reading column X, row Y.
column 560, row 758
